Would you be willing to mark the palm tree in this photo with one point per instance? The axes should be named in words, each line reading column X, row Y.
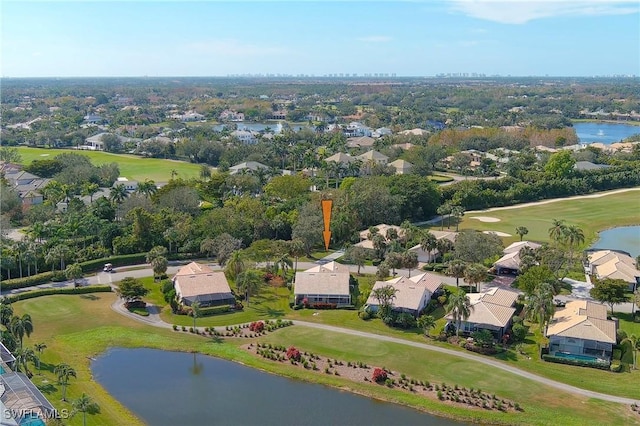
column 385, row 295
column 457, row 212
column 249, row 282
column 557, row 230
column 84, row 405
column 443, row 210
column 522, row 231
column 475, row 274
column 459, row 306
column 90, row 188
column 159, row 265
column 284, row 263
column 428, row 243
column 456, row 269
column 574, row 236
column 23, row 356
column 296, row 249
column 235, row 265
column 174, row 173
column 6, row 312
column 58, row 252
column 39, row 348
column 64, row 372
column 426, row 323
column 118, row 193
column 147, row 188
column 19, row 326
column 635, row 345
column 541, row 306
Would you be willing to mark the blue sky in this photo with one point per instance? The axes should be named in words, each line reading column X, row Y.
column 408, row 38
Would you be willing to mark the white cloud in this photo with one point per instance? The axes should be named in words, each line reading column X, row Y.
column 232, row 47
column 523, row 11
column 375, row 39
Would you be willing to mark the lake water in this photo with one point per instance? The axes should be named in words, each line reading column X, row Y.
column 276, row 128
column 625, row 238
column 607, row 133
column 176, row 388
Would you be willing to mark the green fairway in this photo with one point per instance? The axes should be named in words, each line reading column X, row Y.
column 591, row 214
column 131, row 166
column 77, row 328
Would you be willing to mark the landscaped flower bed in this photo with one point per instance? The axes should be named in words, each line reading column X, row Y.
column 249, row 330
column 361, row 372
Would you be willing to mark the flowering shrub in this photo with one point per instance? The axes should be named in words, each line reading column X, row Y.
column 305, row 302
column 256, row 326
column 268, row 276
column 323, row 305
column 293, row 353
column 379, row 375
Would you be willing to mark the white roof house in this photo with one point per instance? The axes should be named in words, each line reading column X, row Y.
column 413, row 293
column 250, row 166
column 328, row 283
column 511, row 258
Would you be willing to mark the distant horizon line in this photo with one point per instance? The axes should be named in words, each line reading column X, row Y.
column 351, row 77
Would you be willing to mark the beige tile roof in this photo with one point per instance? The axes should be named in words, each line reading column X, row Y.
column 401, row 164
column 190, row 286
column 413, row 292
column 340, row 157
column 373, row 155
column 449, row 235
column 509, row 260
column 500, row 296
column 193, row 268
column 492, row 307
column 329, row 279
column 614, row 265
column 518, row 245
column 583, row 319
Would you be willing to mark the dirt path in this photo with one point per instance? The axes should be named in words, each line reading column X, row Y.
column 555, row 200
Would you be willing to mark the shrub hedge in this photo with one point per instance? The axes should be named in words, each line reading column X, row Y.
column 50, row 291
column 31, row 281
column 578, row 362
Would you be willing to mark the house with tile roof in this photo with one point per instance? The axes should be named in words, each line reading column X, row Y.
column 412, row 293
column 197, row 282
column 582, row 328
column 374, row 156
column 401, row 167
column 340, row 158
column 509, row 263
column 328, row 283
column 615, row 265
column 492, row 310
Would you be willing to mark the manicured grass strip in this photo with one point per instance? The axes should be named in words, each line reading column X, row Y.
column 590, row 214
column 131, row 166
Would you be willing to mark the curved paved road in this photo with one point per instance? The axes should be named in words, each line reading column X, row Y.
column 155, row 320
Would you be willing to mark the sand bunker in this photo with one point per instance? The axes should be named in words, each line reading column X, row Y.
column 485, row 218
column 498, row 233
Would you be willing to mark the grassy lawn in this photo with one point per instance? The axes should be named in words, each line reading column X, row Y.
column 131, row 166
column 590, row 214
column 542, row 405
column 75, row 329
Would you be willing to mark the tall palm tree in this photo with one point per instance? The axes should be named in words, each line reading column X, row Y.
column 460, row 308
column 249, row 282
column 39, row 348
column 296, row 249
column 540, row 305
column 195, row 311
column 456, row 269
column 147, row 188
column 19, row 326
column 90, row 188
column 574, row 236
column 385, row 296
column 6, row 312
column 475, row 274
column 159, row 265
column 426, row 323
column 457, row 212
column 235, row 265
column 557, row 230
column 58, row 252
column 23, row 357
column 64, row 372
column 118, row 193
column 84, row 405
column 428, row 243
column 284, row 263
column 522, row 231
column 443, row 210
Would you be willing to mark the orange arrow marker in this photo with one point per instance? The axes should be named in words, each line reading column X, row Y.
column 326, row 218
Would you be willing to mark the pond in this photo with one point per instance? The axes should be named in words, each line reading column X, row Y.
column 625, row 238
column 607, row 133
column 176, row 388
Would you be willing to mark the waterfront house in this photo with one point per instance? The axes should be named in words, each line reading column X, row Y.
column 197, row 282
column 328, row 283
column 582, row 328
column 412, row 293
column 491, row 309
column 613, row 264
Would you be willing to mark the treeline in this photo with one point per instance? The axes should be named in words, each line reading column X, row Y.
column 534, row 186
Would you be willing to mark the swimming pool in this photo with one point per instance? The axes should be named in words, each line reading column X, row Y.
column 31, row 420
column 578, row 357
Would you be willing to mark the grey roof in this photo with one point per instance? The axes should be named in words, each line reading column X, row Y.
column 21, row 396
column 588, row 165
column 329, row 279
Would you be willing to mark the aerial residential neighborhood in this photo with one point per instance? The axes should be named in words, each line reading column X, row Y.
column 435, row 205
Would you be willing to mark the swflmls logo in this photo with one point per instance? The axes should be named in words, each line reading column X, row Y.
column 31, row 413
